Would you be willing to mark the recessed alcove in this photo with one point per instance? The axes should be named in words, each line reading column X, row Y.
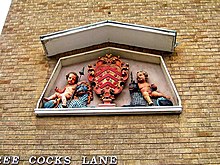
column 152, row 64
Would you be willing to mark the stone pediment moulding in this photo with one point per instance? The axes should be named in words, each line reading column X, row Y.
column 108, row 70
column 109, row 32
column 153, row 64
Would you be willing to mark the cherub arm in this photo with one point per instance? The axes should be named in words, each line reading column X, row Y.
column 60, row 90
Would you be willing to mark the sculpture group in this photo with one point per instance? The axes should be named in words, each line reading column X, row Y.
column 107, row 78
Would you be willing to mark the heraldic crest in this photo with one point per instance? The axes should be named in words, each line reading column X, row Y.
column 108, row 77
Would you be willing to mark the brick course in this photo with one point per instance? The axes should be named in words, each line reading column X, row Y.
column 192, row 137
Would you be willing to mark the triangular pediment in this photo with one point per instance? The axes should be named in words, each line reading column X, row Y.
column 153, row 64
column 109, row 32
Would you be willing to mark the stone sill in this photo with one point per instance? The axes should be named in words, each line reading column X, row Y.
column 89, row 111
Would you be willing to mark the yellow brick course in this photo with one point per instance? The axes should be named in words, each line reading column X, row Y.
column 192, row 137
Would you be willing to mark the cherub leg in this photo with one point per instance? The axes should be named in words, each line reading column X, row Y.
column 147, row 98
column 52, row 97
column 64, row 100
column 158, row 94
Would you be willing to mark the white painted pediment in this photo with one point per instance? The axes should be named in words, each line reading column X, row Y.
column 153, row 64
column 112, row 32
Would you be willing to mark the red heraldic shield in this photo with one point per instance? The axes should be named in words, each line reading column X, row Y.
column 108, row 77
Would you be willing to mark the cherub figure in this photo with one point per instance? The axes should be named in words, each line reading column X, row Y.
column 148, row 90
column 67, row 92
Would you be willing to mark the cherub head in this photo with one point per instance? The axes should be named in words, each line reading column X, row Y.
column 142, row 76
column 72, row 78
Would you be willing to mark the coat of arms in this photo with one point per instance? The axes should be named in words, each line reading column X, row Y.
column 108, row 77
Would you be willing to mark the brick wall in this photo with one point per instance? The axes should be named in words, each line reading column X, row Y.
column 190, row 138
